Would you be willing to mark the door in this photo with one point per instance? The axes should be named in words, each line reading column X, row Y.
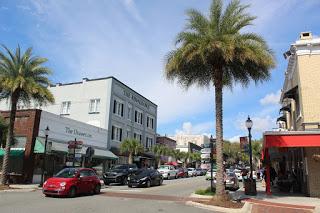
column 84, row 182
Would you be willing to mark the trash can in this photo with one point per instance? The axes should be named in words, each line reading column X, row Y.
column 250, row 187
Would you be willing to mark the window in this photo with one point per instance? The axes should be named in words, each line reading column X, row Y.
column 138, row 117
column 65, row 108
column 150, row 122
column 118, row 108
column 94, row 106
column 138, row 137
column 149, row 142
column 128, row 133
column 116, row 133
column 129, row 112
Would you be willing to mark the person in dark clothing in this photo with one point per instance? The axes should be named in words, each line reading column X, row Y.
column 273, row 174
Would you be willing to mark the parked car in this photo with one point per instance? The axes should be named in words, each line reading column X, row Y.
column 230, row 181
column 119, row 174
column 71, row 182
column 238, row 174
column 145, row 177
column 182, row 173
column 192, row 172
column 168, row 171
column 208, row 174
column 200, row 172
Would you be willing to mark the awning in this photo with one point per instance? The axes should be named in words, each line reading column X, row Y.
column 290, row 93
column 99, row 153
column 38, row 147
column 14, row 152
column 291, row 139
column 285, row 108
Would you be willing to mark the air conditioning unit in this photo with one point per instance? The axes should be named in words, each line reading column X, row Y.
column 305, row 36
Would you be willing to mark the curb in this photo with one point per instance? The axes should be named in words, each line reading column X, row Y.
column 18, row 190
column 246, row 207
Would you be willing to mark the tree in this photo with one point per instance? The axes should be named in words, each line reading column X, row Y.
column 132, row 146
column 23, row 78
column 159, row 150
column 217, row 51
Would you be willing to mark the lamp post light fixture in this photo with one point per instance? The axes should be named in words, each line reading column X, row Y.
column 250, row 186
column 46, row 133
column 249, row 125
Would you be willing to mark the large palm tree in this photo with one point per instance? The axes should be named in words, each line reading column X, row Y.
column 23, row 78
column 132, row 147
column 215, row 50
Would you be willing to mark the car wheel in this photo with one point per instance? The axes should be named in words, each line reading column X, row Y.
column 106, row 183
column 72, row 192
column 148, row 183
column 129, row 185
column 176, row 176
column 160, row 182
column 97, row 189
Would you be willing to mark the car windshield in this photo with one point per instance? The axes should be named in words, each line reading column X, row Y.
column 190, row 169
column 120, row 167
column 67, row 173
column 142, row 172
column 164, row 167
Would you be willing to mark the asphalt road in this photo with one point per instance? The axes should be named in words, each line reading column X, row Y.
column 170, row 197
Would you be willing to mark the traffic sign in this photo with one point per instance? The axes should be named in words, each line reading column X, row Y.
column 205, row 150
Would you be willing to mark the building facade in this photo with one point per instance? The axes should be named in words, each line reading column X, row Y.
column 28, row 149
column 106, row 103
column 294, row 151
column 165, row 141
column 184, row 140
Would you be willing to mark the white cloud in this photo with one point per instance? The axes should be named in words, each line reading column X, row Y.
column 271, row 99
column 198, row 129
column 235, row 138
column 132, row 9
column 261, row 123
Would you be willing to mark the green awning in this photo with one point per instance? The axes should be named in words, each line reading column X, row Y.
column 13, row 152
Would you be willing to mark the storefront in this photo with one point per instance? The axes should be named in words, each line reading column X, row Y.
column 292, row 161
column 26, row 156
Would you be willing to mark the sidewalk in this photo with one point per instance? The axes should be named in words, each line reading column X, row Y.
column 278, row 202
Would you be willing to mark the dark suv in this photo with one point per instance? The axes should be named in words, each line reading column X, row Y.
column 119, row 174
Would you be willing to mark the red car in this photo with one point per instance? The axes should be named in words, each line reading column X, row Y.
column 182, row 173
column 72, row 181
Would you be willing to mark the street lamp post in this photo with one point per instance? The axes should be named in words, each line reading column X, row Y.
column 46, row 132
column 252, row 184
column 211, row 161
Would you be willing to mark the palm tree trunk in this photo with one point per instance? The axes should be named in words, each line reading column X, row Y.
column 220, row 188
column 9, row 141
column 130, row 160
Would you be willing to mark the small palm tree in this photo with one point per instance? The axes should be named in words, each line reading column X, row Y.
column 159, row 151
column 23, row 78
column 216, row 51
column 132, row 147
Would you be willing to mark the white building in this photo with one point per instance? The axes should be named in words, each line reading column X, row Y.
column 183, row 141
column 106, row 103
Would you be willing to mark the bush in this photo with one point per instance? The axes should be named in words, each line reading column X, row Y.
column 205, row 191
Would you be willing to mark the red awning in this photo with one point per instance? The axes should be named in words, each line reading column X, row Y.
column 172, row 163
column 290, row 139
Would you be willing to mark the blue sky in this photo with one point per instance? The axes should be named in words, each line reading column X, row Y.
column 128, row 39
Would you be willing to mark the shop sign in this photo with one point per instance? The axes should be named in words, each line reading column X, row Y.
column 135, row 99
column 77, row 132
column 205, row 151
column 205, row 156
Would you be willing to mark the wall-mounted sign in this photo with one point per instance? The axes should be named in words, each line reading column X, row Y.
column 205, row 156
column 77, row 132
column 135, row 99
column 205, row 150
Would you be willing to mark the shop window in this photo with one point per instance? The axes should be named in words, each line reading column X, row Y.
column 65, row 108
column 94, row 106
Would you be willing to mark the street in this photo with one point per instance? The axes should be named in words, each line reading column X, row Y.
column 170, row 197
